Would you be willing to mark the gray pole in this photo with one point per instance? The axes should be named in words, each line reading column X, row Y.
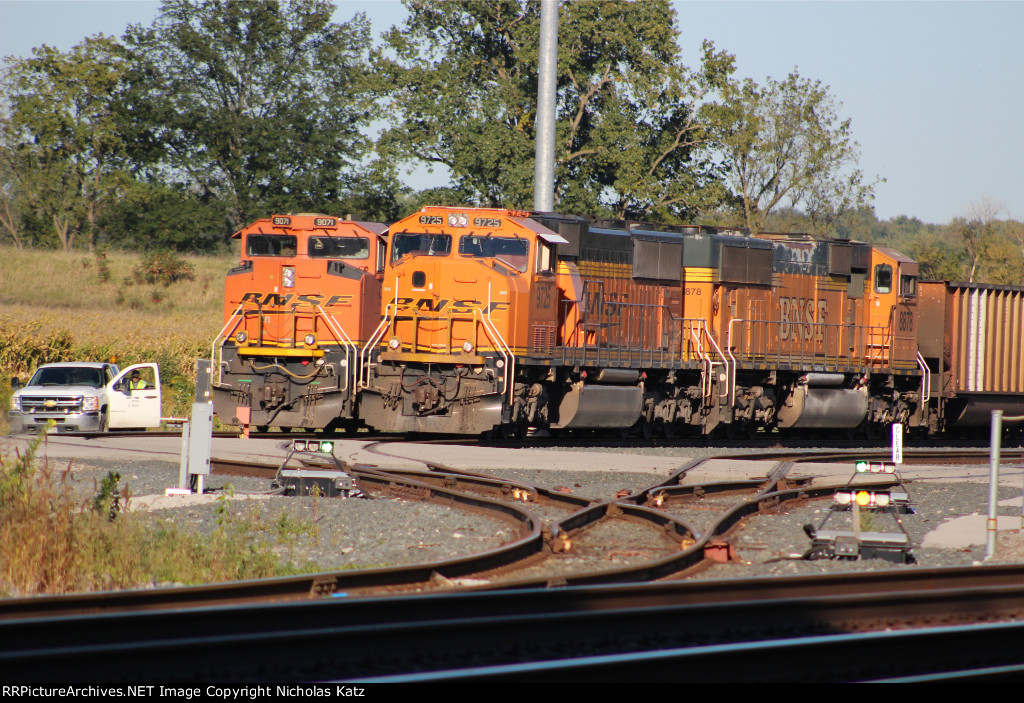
column 995, row 443
column 547, row 69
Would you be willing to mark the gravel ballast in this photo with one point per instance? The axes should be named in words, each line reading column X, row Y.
column 331, row 533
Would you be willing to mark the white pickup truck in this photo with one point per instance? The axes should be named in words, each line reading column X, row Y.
column 87, row 397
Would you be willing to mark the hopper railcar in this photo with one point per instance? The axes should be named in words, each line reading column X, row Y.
column 298, row 310
column 503, row 320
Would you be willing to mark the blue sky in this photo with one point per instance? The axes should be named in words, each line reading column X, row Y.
column 935, row 90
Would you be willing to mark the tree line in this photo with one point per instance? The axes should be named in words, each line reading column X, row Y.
column 177, row 134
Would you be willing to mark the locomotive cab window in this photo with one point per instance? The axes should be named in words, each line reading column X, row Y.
column 339, row 247
column 908, row 286
column 271, row 245
column 420, row 245
column 883, row 278
column 511, row 251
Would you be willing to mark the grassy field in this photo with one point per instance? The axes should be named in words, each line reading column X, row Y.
column 57, row 306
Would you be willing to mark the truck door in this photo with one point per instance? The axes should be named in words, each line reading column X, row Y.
column 138, row 406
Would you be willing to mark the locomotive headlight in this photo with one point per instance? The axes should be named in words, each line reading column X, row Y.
column 394, row 342
column 467, row 346
column 241, row 337
column 288, row 276
column 310, row 340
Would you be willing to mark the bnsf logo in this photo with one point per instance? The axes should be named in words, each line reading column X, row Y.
column 276, row 300
column 797, row 316
column 456, row 306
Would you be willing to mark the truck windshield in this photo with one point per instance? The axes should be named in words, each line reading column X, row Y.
column 67, row 377
column 420, row 245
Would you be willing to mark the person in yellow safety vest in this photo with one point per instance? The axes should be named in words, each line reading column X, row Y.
column 136, row 383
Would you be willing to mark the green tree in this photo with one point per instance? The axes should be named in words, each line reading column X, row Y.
column 784, row 143
column 629, row 131
column 155, row 216
column 257, row 104
column 59, row 143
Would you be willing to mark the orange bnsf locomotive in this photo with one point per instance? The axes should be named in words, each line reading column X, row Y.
column 298, row 312
column 473, row 321
column 494, row 319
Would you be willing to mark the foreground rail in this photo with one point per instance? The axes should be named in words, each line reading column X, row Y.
column 358, row 639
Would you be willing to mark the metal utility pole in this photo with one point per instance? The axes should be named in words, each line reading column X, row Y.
column 547, row 70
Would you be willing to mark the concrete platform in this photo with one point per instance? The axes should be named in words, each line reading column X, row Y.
column 401, row 455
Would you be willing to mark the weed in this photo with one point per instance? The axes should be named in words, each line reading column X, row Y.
column 867, row 521
column 50, row 542
column 287, row 526
column 102, row 265
column 163, row 267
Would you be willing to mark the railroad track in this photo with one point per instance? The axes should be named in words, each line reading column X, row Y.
column 510, row 566
column 671, row 631
column 332, row 628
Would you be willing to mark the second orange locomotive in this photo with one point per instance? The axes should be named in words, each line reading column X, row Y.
column 502, row 320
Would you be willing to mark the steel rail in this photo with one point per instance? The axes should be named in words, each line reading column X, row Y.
column 324, row 585
column 981, row 652
column 529, row 542
column 352, row 639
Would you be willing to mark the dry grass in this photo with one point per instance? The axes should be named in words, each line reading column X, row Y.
column 54, row 542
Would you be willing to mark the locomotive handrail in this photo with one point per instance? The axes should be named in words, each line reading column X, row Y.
column 926, row 379
column 219, row 352
column 506, row 353
column 711, row 363
column 339, row 333
column 364, row 354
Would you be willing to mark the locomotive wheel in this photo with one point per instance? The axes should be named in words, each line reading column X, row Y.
column 668, row 429
column 514, row 430
column 286, row 430
column 646, row 429
column 262, row 428
column 751, row 428
column 333, row 426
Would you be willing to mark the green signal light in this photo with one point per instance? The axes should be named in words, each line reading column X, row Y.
column 327, row 447
column 863, row 467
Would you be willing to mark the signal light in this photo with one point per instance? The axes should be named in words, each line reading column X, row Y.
column 875, row 467
column 313, row 445
column 865, row 499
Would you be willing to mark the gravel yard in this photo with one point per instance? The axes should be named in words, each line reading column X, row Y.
column 331, row 533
